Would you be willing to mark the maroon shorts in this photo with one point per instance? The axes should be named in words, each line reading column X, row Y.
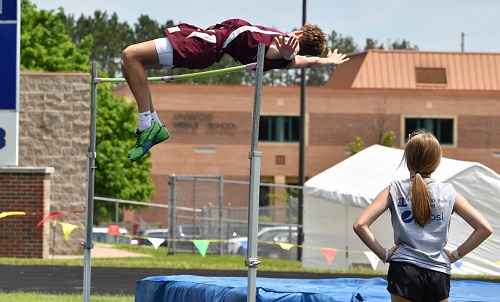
column 194, row 48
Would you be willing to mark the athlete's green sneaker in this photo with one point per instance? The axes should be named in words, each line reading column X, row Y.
column 146, row 139
column 162, row 135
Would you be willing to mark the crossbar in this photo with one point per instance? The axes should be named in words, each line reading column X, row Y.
column 193, row 75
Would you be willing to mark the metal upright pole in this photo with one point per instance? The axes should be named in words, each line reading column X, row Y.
column 302, row 147
column 221, row 204
column 253, row 213
column 88, row 245
column 172, row 196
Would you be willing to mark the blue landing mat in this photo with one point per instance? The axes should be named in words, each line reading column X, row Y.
column 187, row 288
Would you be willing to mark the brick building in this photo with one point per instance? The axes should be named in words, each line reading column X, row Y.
column 455, row 95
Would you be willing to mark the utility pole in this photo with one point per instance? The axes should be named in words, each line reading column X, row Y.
column 302, row 135
column 463, row 42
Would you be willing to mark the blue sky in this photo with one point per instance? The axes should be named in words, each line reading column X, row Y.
column 431, row 25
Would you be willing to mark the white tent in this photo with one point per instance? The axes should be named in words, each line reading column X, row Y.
column 334, row 198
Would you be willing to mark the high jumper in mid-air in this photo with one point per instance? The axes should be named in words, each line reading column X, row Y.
column 191, row 47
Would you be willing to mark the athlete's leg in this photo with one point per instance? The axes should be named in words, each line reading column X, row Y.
column 135, row 60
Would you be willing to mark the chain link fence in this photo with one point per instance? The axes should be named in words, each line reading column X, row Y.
column 213, row 209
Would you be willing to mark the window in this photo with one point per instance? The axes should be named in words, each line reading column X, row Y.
column 430, row 75
column 264, row 203
column 279, row 129
column 264, row 192
column 280, row 160
column 442, row 128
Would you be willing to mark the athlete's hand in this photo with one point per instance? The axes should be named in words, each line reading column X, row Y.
column 392, row 250
column 450, row 255
column 287, row 46
column 336, row 57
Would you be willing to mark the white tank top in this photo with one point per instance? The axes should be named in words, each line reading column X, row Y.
column 422, row 246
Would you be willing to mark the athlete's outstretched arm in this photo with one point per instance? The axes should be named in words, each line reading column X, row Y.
column 332, row 58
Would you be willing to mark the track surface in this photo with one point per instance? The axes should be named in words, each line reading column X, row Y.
column 121, row 281
column 111, row 280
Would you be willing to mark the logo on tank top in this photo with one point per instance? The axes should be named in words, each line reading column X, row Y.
column 173, row 29
column 402, row 202
column 407, row 216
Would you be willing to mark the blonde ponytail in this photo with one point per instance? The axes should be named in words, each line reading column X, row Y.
column 421, row 203
column 422, row 155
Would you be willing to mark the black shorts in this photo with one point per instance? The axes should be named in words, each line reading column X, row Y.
column 417, row 284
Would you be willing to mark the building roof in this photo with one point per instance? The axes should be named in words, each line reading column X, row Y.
column 404, row 69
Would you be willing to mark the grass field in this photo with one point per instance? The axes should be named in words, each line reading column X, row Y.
column 154, row 258
column 158, row 258
column 39, row 297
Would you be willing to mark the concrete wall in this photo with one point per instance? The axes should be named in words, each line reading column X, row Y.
column 54, row 119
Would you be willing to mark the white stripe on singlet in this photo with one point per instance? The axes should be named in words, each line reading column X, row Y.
column 238, row 31
column 204, row 36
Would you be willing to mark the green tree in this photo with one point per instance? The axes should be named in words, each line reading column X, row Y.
column 356, row 145
column 116, row 176
column 110, row 37
column 373, row 44
column 388, row 138
column 403, row 45
column 343, row 44
column 46, row 45
column 146, row 29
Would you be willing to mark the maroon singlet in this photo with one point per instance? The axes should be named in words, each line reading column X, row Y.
column 198, row 48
